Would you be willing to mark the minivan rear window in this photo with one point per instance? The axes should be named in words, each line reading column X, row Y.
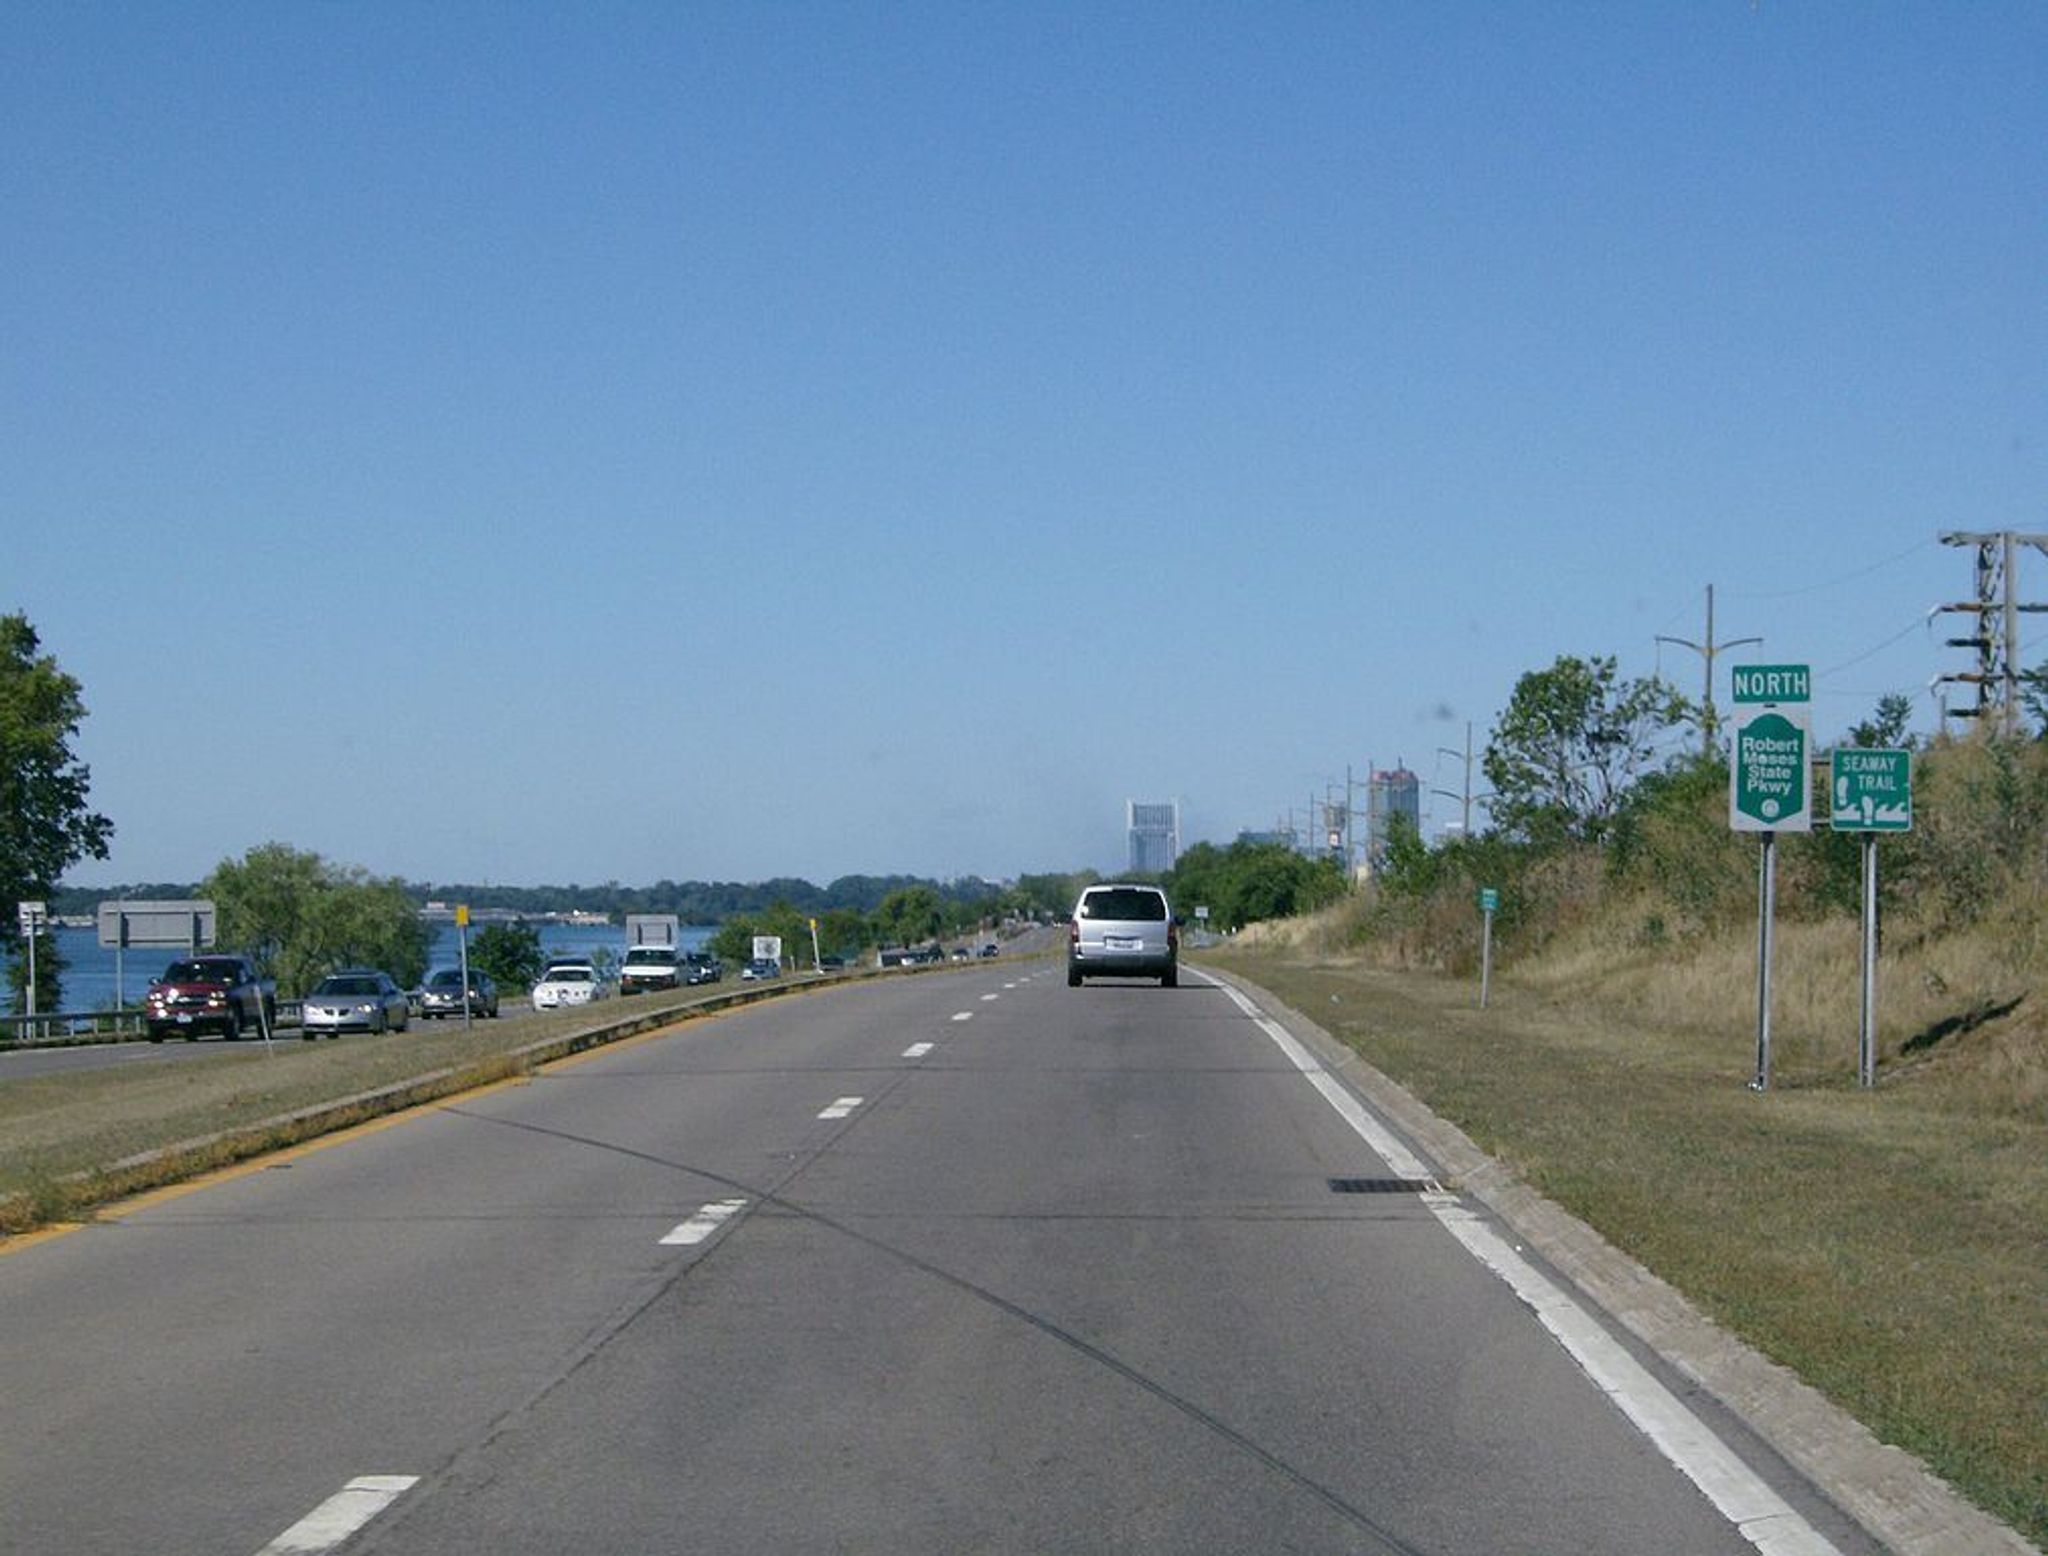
column 1123, row 904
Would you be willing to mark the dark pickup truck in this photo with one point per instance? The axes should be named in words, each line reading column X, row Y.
column 209, row 994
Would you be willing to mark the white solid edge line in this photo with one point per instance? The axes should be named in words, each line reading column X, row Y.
column 1758, row 1513
column 704, row 1223
column 341, row 1515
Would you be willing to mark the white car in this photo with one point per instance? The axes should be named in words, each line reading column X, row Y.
column 568, row 983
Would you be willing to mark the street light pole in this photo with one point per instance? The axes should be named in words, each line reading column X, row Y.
column 1465, row 814
column 1707, row 651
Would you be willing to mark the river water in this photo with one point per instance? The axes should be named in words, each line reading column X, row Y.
column 94, row 975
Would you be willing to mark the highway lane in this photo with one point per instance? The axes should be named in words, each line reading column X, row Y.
column 961, row 1262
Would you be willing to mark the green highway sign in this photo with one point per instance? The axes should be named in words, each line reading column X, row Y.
column 1767, row 782
column 1870, row 791
column 1773, row 683
column 1489, row 899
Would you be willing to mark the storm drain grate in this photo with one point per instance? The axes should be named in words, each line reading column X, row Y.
column 1385, row 1186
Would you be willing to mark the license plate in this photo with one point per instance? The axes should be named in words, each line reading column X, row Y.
column 184, row 1021
column 1122, row 942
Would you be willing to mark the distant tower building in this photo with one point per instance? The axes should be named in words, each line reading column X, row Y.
column 1390, row 794
column 1155, row 836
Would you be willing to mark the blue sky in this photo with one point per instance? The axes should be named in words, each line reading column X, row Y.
column 536, row 443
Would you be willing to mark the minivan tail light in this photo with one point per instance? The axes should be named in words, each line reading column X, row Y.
column 1073, row 931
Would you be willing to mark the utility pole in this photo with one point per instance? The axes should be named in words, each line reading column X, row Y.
column 1996, row 641
column 1709, row 720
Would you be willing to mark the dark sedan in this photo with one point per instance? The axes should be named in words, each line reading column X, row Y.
column 441, row 995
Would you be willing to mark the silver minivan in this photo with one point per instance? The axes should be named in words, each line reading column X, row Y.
column 1120, row 930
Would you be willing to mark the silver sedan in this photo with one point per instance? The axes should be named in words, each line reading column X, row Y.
column 358, row 999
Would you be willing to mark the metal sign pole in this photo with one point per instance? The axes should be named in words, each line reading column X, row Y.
column 1767, row 903
column 1866, row 1047
column 462, row 941
column 29, row 934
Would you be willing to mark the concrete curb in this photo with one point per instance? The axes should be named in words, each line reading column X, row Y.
column 1893, row 1496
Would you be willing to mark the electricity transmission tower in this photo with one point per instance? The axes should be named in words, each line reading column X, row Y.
column 1996, row 640
column 1709, row 720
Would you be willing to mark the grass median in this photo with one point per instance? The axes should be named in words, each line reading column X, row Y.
column 71, row 1142
column 1890, row 1246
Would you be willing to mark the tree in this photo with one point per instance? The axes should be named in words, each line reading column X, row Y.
column 508, row 954
column 1571, row 743
column 909, row 917
column 842, row 932
column 1886, row 728
column 1247, row 882
column 45, row 825
column 299, row 918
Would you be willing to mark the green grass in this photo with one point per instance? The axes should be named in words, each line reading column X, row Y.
column 1891, row 1247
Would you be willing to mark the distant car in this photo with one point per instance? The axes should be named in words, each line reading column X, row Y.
column 831, row 963
column 701, row 967
column 568, row 983
column 441, row 995
column 650, row 967
column 962, row 954
column 990, row 949
column 356, row 999
column 760, row 969
column 1121, row 930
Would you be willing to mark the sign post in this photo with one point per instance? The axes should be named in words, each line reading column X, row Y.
column 184, row 922
column 1769, row 793
column 1871, row 793
column 35, row 918
column 462, row 948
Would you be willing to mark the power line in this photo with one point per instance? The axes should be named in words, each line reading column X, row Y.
column 1918, row 624
column 1835, row 583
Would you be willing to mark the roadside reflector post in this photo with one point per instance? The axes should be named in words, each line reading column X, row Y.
column 1489, row 902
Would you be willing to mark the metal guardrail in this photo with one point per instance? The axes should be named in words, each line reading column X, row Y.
column 106, row 1026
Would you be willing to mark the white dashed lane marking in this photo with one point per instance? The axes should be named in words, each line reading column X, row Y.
column 918, row 1050
column 965, row 1015
column 842, row 1107
column 704, row 1223
column 341, row 1515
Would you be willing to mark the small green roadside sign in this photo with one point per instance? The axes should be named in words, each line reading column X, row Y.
column 1870, row 790
column 1489, row 899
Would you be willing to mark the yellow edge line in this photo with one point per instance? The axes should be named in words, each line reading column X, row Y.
column 116, row 1209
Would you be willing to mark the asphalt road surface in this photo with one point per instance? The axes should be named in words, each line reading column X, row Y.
column 969, row 1262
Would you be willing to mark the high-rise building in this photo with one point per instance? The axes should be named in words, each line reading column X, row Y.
column 1396, row 792
column 1155, row 836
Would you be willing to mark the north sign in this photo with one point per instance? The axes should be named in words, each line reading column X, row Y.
column 1773, row 683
